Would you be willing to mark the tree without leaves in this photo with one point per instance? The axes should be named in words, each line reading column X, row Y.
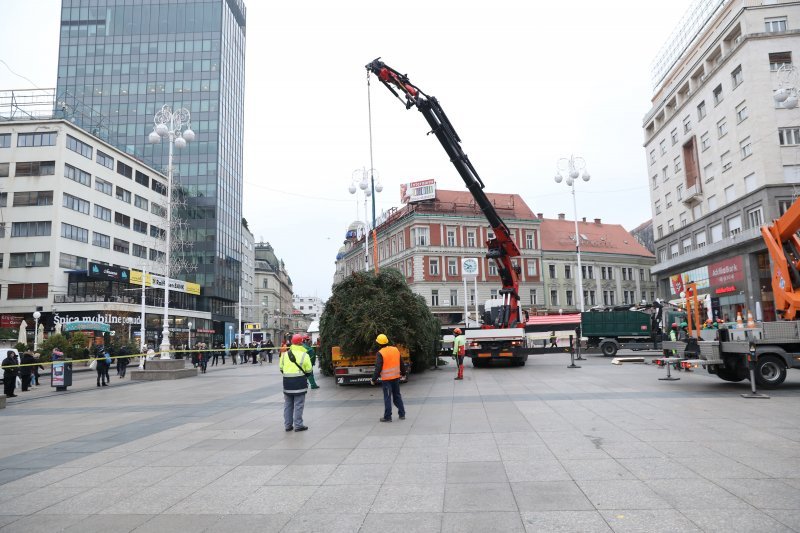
column 364, row 305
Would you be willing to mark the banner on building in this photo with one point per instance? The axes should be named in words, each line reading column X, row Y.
column 252, row 325
column 154, row 280
column 96, row 270
column 416, row 191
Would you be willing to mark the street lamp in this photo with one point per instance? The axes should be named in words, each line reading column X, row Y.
column 174, row 126
column 36, row 316
column 190, row 334
column 569, row 170
column 367, row 183
column 788, row 81
column 129, row 321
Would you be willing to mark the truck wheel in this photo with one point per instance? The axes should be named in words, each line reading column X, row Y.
column 770, row 372
column 477, row 363
column 729, row 375
column 609, row 349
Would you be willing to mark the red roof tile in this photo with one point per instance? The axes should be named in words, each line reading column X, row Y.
column 559, row 235
column 462, row 202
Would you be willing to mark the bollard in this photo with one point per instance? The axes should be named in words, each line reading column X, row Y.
column 572, row 354
column 751, row 364
column 669, row 373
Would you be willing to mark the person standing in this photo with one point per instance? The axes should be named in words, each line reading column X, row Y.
column 312, row 354
column 10, row 369
column 295, row 365
column 459, row 351
column 36, row 368
column 26, row 370
column 100, row 362
column 270, row 349
column 553, row 340
column 122, row 361
column 389, row 367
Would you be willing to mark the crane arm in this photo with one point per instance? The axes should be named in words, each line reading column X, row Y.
column 783, row 245
column 502, row 247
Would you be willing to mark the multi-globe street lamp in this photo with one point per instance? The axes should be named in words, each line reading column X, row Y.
column 569, row 171
column 36, row 316
column 175, row 127
column 369, row 183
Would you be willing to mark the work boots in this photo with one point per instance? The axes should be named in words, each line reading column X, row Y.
column 460, row 372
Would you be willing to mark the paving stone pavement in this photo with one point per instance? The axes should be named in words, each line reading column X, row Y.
column 539, row 448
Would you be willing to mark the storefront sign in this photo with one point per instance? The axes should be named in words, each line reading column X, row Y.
column 100, row 317
column 725, row 290
column 96, row 270
column 252, row 325
column 10, row 321
column 87, row 326
column 198, row 330
column 157, row 281
column 726, row 272
column 417, row 191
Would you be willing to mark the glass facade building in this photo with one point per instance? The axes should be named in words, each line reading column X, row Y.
column 120, row 61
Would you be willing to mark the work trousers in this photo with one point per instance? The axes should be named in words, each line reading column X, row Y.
column 391, row 392
column 26, row 381
column 293, row 405
column 9, row 384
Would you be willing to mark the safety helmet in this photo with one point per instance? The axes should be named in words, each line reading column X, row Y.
column 457, row 331
column 382, row 339
column 297, row 339
column 684, row 324
column 674, row 325
column 306, row 337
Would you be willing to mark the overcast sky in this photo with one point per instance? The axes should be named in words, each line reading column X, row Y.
column 524, row 83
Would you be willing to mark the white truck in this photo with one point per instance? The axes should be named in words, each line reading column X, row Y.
column 507, row 344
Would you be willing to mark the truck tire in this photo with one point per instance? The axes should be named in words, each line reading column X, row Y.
column 770, row 371
column 729, row 375
column 609, row 349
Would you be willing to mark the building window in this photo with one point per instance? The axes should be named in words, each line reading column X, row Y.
column 157, row 256
column 159, row 187
column 68, row 231
column 780, row 59
column 641, row 274
column 5, row 140
column 140, row 202
column 687, row 124
column 103, row 186
column 704, row 142
column 102, row 213
column 671, row 225
column 3, row 199
column 668, row 200
column 122, row 220
column 663, row 146
column 665, row 174
column 45, row 138
column 158, row 210
column 657, row 205
column 607, row 272
column 433, row 266
column 4, row 170
column 419, row 235
column 652, row 156
column 121, row 246
column 674, row 136
column 139, row 226
column 608, row 298
column 453, row 297
column 682, row 219
column 587, row 271
column 716, row 232
column 567, row 272
column 701, row 110
column 29, row 259
column 124, row 170
column 700, row 238
column 452, row 266
column 654, row 179
column 589, row 298
column 679, row 192
column 569, row 297
column 741, row 112
column 492, row 268
column 77, row 175
column 33, row 198
column 708, row 172
column 736, row 77
column 142, row 179
column 533, row 296
column 532, row 271
column 745, row 148
column 35, row 168
column 471, row 239
column 451, row 238
column 673, row 250
column 553, row 297
column 775, row 24
column 552, row 271
column 786, row 136
column 434, row 298
column 105, row 160
column 72, row 262
column 697, row 211
column 31, row 229
column 755, row 218
column 725, row 161
column 718, row 97
column 686, row 244
column 712, row 202
column 79, row 147
column 662, row 255
column 677, row 163
column 529, row 241
column 76, row 204
column 660, row 231
column 722, row 128
column 730, row 194
column 735, row 225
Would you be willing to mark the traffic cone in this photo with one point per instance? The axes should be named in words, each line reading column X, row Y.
column 750, row 322
column 739, row 323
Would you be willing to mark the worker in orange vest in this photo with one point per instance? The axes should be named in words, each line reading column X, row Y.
column 389, row 367
column 459, row 351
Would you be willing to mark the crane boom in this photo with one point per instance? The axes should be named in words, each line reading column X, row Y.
column 502, row 247
column 783, row 245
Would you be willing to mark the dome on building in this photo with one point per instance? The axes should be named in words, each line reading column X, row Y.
column 352, row 229
column 340, row 253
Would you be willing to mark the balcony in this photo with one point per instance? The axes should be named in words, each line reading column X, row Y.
column 692, row 195
column 745, row 236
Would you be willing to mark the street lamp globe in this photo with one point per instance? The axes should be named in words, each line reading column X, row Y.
column 558, row 178
column 781, row 95
column 188, row 134
column 154, row 138
column 352, row 189
column 790, row 102
column 162, row 130
column 180, row 142
column 586, row 176
column 37, row 315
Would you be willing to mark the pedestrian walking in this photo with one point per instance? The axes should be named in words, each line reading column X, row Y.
column 389, row 367
column 295, row 365
column 123, row 361
column 26, row 370
column 10, row 370
column 234, row 352
column 254, row 352
column 101, row 365
column 459, row 351
column 270, row 350
column 312, row 354
column 202, row 357
column 553, row 340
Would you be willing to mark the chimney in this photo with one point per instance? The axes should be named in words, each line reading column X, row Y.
column 561, row 216
column 597, row 221
column 539, row 216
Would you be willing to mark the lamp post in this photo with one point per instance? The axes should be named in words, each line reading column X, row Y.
column 366, row 183
column 569, row 170
column 36, row 316
column 788, row 81
column 174, row 126
column 190, row 334
column 129, row 321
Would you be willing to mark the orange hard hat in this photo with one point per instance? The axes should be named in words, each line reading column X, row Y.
column 457, row 331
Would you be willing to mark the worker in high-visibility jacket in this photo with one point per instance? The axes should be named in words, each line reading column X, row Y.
column 459, row 351
column 295, row 365
column 389, row 367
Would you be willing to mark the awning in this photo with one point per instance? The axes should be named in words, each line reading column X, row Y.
column 87, row 326
column 552, row 322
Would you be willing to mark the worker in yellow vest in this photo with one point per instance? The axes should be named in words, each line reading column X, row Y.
column 459, row 351
column 295, row 365
column 389, row 367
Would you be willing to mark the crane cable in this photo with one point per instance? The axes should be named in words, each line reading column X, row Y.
column 372, row 177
